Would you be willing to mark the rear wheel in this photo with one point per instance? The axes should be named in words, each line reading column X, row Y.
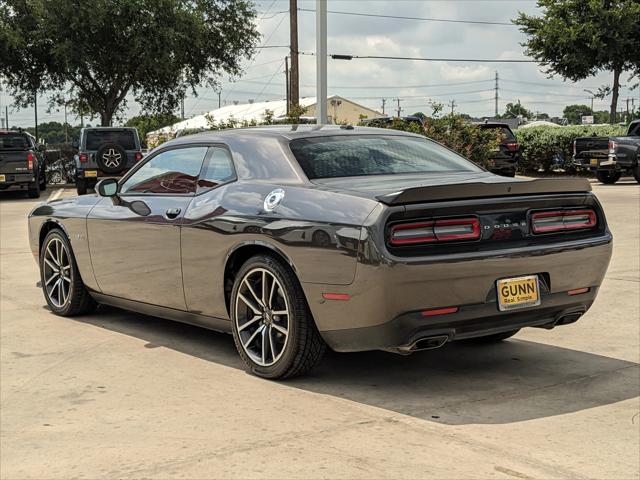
column 497, row 337
column 62, row 286
column 273, row 329
column 81, row 186
column 608, row 177
column 34, row 189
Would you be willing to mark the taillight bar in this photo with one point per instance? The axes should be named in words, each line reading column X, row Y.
column 563, row 220
column 512, row 146
column 84, row 157
column 432, row 231
column 30, row 161
column 138, row 156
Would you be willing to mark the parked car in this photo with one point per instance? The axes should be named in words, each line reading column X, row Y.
column 295, row 238
column 22, row 165
column 504, row 160
column 384, row 121
column 105, row 152
column 610, row 157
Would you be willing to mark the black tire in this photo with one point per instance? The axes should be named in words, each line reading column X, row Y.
column 636, row 173
column 303, row 347
column 78, row 300
column 111, row 153
column 33, row 190
column 43, row 182
column 81, row 186
column 608, row 177
column 497, row 337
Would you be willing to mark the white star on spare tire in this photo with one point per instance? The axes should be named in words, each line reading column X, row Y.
column 111, row 158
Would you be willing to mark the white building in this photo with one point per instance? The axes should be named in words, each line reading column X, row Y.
column 340, row 110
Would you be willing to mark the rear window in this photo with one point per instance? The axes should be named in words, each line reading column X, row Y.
column 97, row 138
column 353, row 156
column 16, row 141
column 506, row 132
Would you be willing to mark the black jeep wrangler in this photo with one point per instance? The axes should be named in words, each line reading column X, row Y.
column 105, row 152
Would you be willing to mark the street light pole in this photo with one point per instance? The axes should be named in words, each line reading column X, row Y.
column 321, row 62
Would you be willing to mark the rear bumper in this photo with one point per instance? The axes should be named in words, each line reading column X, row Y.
column 14, row 181
column 388, row 295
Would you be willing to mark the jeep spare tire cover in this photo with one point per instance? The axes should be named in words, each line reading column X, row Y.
column 111, row 158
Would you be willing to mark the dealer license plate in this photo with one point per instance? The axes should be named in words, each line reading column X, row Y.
column 2, row 178
column 90, row 173
column 519, row 292
column 594, row 161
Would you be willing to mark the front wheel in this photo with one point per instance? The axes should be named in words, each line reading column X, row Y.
column 62, row 286
column 273, row 329
column 608, row 177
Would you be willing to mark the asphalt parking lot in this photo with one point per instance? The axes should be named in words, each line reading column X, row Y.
column 118, row 394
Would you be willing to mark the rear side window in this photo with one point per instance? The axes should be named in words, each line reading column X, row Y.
column 9, row 141
column 360, row 155
column 97, row 138
column 170, row 172
column 217, row 169
column 505, row 132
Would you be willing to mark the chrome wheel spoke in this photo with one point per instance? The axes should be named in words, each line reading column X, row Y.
column 51, row 278
column 280, row 329
column 264, row 288
column 253, row 336
column 270, row 300
column 253, row 293
column 249, row 323
column 264, row 344
column 249, row 304
column 280, row 312
column 57, row 273
column 273, row 350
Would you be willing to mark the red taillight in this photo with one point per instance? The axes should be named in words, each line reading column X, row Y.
column 336, row 296
column 575, row 148
column 441, row 230
column 138, row 156
column 562, row 220
column 512, row 147
column 84, row 157
column 439, row 311
column 30, row 161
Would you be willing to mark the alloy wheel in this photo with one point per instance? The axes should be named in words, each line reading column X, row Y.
column 57, row 272
column 262, row 316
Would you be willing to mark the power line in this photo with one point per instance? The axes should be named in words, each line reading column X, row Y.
column 337, row 56
column 424, row 19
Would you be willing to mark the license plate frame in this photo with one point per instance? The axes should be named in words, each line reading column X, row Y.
column 594, row 162
column 525, row 297
column 91, row 173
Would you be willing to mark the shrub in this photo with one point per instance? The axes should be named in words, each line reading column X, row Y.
column 542, row 147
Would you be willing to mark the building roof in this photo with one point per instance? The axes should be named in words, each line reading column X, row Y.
column 243, row 112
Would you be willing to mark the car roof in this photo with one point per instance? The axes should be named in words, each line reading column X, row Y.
column 285, row 132
column 493, row 124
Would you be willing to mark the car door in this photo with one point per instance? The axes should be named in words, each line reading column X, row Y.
column 134, row 238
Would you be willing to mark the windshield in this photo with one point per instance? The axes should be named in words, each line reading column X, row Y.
column 11, row 141
column 358, row 155
column 97, row 138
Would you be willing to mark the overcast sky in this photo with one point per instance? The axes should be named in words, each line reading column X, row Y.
column 367, row 81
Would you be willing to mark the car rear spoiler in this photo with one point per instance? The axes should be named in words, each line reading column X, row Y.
column 481, row 190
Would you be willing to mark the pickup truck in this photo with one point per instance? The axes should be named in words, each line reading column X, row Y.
column 610, row 157
column 22, row 165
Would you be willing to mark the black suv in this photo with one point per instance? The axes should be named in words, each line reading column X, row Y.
column 504, row 159
column 21, row 163
column 105, row 152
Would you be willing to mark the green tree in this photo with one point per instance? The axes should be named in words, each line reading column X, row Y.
column 149, row 123
column 579, row 38
column 515, row 110
column 102, row 51
column 574, row 113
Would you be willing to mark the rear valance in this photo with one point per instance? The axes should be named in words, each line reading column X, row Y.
column 482, row 190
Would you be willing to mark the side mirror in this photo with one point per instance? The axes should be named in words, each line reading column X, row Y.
column 107, row 187
column 75, row 144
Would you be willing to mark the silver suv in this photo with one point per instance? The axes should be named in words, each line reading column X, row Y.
column 105, row 152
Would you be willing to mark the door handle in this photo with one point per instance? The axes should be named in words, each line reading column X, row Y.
column 172, row 213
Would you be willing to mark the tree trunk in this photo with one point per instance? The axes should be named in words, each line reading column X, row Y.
column 105, row 118
column 614, row 95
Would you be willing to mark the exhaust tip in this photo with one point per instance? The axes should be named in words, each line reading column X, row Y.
column 425, row 343
column 569, row 318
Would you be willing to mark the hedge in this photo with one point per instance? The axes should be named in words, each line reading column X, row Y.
column 543, row 147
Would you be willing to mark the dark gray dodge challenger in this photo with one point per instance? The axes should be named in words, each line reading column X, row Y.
column 298, row 237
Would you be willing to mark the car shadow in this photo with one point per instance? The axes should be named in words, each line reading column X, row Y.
column 458, row 384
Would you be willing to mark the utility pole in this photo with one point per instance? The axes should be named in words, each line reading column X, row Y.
column 321, row 62
column 384, row 100
column 398, row 110
column 35, row 110
column 287, row 82
column 627, row 117
column 66, row 136
column 219, row 96
column 294, row 87
column 453, row 106
column 182, row 108
column 6, row 116
column 496, row 96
